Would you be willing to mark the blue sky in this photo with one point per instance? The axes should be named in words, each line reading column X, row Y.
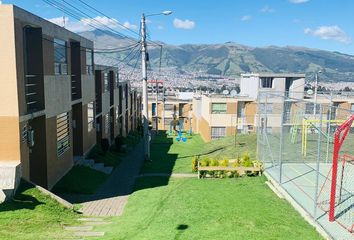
column 323, row 24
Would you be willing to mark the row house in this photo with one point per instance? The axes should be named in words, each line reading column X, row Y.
column 54, row 105
column 118, row 106
column 172, row 107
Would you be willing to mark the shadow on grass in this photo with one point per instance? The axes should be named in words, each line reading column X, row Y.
column 123, row 182
column 21, row 200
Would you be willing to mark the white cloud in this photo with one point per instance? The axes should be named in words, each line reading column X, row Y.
column 86, row 24
column 160, row 27
column 129, row 25
column 184, row 24
column 267, row 9
column 246, row 18
column 298, row 1
column 329, row 33
column 0, row 2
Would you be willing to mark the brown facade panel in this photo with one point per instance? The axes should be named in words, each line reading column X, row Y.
column 250, row 111
column 204, row 129
column 58, row 166
column 48, row 59
column 10, row 139
column 231, row 108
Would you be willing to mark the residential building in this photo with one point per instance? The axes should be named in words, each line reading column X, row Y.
column 54, row 106
column 176, row 106
column 289, row 84
column 216, row 116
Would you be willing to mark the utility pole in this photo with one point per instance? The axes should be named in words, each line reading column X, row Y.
column 157, row 108
column 145, row 95
column 315, row 96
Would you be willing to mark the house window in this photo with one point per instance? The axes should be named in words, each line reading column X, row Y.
column 116, row 79
column 169, row 107
column 218, row 132
column 218, row 108
column 89, row 62
column 352, row 108
column 106, row 124
column 63, row 133
column 153, row 109
column 60, row 57
column 90, row 116
column 309, row 108
column 266, row 82
column 264, row 108
column 105, row 82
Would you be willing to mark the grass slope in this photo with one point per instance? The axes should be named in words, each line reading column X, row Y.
column 168, row 155
column 243, row 208
column 80, row 179
column 32, row 215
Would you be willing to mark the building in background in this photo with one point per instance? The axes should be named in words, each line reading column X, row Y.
column 171, row 106
column 290, row 84
column 53, row 102
column 217, row 116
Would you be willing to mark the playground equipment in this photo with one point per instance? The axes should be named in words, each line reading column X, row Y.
column 337, row 193
column 311, row 124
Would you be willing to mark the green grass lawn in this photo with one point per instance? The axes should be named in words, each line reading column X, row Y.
column 243, row 208
column 168, row 155
column 32, row 215
column 80, row 179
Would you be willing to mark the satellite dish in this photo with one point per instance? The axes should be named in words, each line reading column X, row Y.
column 225, row 92
column 310, row 92
column 233, row 93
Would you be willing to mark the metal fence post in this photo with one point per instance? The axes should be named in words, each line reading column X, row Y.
column 281, row 140
column 318, row 164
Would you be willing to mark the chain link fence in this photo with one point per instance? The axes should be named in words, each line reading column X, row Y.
column 296, row 141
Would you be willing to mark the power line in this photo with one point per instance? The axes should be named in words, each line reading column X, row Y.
column 79, row 15
column 122, row 25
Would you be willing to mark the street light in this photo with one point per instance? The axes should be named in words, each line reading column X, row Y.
column 315, row 96
column 144, row 73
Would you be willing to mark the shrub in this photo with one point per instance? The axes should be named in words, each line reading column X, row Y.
column 224, row 163
column 246, row 161
column 195, row 164
column 104, row 145
column 205, row 162
column 118, row 142
column 214, row 163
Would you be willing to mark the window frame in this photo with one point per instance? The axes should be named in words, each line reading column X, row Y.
column 60, row 67
column 218, row 111
column 89, row 66
column 63, row 133
column 214, row 134
column 266, row 82
column 90, row 120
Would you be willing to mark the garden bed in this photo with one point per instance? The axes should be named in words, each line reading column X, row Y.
column 212, row 168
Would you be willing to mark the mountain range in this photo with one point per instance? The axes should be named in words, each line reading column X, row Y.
column 232, row 59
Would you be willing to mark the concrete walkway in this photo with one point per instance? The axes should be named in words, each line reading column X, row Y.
column 111, row 198
column 174, row 175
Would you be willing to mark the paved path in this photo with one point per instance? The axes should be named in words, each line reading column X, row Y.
column 175, row 175
column 111, row 198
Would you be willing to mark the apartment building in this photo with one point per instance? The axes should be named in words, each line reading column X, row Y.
column 54, row 105
column 174, row 106
column 216, row 116
column 289, row 84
